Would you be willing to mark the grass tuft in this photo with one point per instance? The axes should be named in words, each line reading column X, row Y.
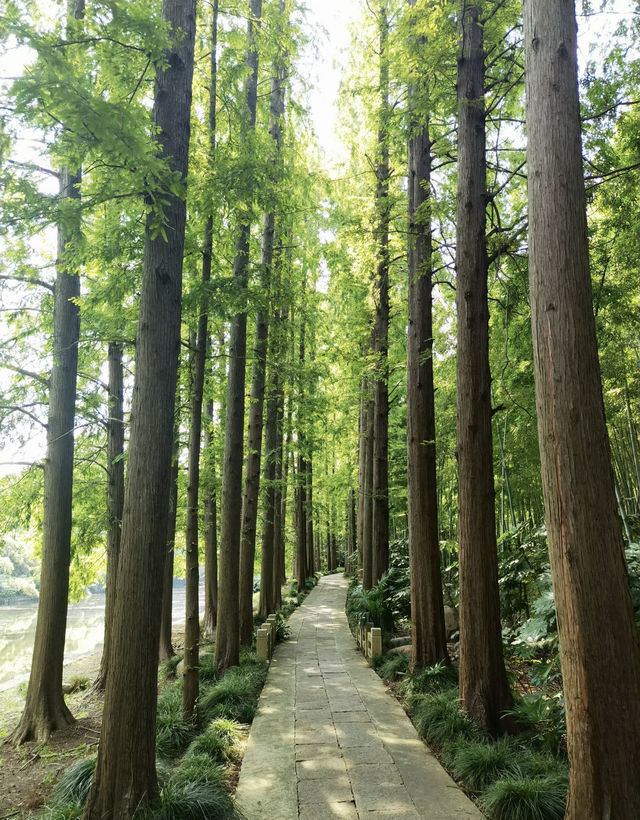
column 479, row 764
column 190, row 801
column 207, row 669
column 235, row 696
column 220, row 741
column 173, row 732
column 393, row 665
column 527, row 798
column 439, row 720
column 198, row 768
column 434, row 679
column 168, row 667
column 73, row 787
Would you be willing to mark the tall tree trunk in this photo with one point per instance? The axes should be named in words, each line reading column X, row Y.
column 227, row 632
column 165, row 649
column 210, row 532
column 351, row 529
column 367, row 540
column 380, row 525
column 190, row 683
column 484, row 691
column 115, row 497
column 428, row 635
column 599, row 650
column 45, row 709
column 280, row 499
column 269, row 576
column 362, row 469
column 125, row 773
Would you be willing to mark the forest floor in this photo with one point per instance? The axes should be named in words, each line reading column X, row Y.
column 28, row 772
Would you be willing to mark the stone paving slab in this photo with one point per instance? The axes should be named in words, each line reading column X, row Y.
column 329, row 742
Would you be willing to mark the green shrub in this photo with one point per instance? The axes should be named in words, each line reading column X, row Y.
column 479, row 764
column 190, row 801
column 220, row 741
column 527, row 798
column 236, row 695
column 207, row 669
column 546, row 716
column 173, row 731
column 64, row 811
column 393, row 665
column 168, row 667
column 74, row 785
column 198, row 768
column 439, row 720
column 433, row 679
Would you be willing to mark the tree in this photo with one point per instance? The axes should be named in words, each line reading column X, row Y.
column 227, row 635
column 380, row 481
column 125, row 772
column 601, row 676
column 428, row 636
column 45, row 709
column 192, row 616
column 484, row 691
column 115, row 496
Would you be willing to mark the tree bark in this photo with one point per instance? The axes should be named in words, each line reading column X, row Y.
column 227, row 632
column 484, row 691
column 598, row 637
column 45, row 709
column 380, row 489
column 125, row 773
column 115, row 497
column 428, row 635
column 165, row 649
column 367, row 541
column 210, row 534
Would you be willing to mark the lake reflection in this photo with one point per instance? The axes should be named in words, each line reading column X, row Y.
column 85, row 628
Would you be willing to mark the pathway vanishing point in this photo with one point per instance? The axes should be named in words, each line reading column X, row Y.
column 329, row 741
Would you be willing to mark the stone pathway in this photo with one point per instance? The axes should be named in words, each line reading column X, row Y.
column 329, row 741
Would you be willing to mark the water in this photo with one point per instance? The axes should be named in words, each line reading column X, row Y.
column 85, row 632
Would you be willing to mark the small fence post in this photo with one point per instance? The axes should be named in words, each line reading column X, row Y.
column 262, row 644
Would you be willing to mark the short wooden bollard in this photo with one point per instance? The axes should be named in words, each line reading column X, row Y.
column 263, row 644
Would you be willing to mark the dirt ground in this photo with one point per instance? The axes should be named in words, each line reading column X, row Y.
column 28, row 772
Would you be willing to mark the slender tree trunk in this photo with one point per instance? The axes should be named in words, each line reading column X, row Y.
column 227, row 634
column 367, row 541
column 125, row 773
column 598, row 637
column 211, row 545
column 353, row 544
column 484, row 691
column 210, row 532
column 362, row 468
column 166, row 650
column 428, row 635
column 45, row 709
column 380, row 525
column 280, row 498
column 115, row 497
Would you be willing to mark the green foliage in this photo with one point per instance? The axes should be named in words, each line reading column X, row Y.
column 477, row 765
column 190, row 801
column 173, row 731
column 198, row 768
column 439, row 719
column 393, row 665
column 73, row 787
column 207, row 669
column 545, row 716
column 527, row 798
column 432, row 680
column 235, row 696
column 168, row 667
column 220, row 741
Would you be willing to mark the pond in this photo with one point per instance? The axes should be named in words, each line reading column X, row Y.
column 85, row 628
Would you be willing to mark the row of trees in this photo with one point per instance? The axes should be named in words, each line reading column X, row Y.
column 228, row 189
